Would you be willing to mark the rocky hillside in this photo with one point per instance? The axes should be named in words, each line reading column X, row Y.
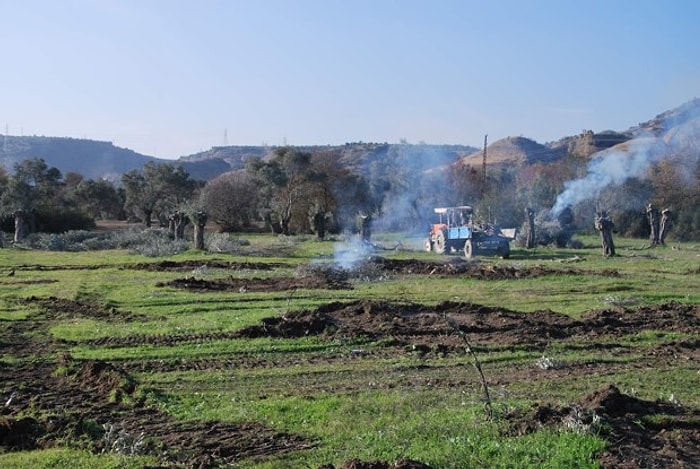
column 95, row 159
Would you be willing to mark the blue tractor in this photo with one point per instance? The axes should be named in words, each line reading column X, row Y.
column 456, row 232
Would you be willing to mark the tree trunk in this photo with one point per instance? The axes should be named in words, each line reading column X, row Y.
column 200, row 220
column 319, row 224
column 605, row 226
column 366, row 227
column 530, row 241
column 180, row 224
column 147, row 217
column 653, row 217
column 21, row 225
column 284, row 226
column 665, row 226
column 171, row 226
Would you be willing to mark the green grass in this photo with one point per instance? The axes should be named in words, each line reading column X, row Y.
column 71, row 458
column 375, row 407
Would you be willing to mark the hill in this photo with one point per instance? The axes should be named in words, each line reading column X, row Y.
column 97, row 159
column 93, row 159
column 358, row 156
column 513, row 150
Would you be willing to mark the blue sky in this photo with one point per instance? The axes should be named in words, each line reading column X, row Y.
column 171, row 77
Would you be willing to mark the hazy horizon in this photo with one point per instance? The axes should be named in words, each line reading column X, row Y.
column 170, row 79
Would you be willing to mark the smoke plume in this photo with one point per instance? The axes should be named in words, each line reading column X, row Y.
column 676, row 136
column 610, row 167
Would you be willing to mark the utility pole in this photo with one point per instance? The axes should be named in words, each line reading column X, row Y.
column 483, row 169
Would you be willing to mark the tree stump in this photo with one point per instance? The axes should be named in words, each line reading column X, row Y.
column 366, row 227
column 605, row 226
column 665, row 225
column 177, row 221
column 530, row 217
column 653, row 217
column 21, row 225
column 200, row 219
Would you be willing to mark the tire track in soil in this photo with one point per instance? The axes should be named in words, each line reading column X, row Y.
column 65, row 401
column 672, row 441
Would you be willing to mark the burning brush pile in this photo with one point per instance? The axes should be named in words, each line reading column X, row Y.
column 363, row 270
column 548, row 229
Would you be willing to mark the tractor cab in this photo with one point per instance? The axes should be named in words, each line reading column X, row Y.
column 455, row 231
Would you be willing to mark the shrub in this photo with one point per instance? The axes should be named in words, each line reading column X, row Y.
column 151, row 242
column 223, row 243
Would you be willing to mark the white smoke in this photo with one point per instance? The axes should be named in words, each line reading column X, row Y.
column 614, row 166
column 610, row 167
column 348, row 253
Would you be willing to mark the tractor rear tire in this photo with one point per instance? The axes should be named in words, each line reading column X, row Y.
column 504, row 252
column 469, row 249
column 440, row 244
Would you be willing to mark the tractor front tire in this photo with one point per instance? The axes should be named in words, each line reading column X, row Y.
column 440, row 244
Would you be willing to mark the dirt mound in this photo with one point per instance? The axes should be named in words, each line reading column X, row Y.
column 74, row 407
column 63, row 308
column 672, row 316
column 246, row 285
column 20, row 434
column 459, row 266
column 610, row 401
column 335, row 277
column 191, row 265
column 408, row 323
column 81, row 404
column 640, row 434
column 102, row 378
column 411, row 324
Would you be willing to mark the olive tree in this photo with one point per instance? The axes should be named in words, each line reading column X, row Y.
column 231, row 200
column 282, row 181
column 32, row 188
column 157, row 189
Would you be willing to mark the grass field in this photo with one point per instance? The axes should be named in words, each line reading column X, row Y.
column 276, row 357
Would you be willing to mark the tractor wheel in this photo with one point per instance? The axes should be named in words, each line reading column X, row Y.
column 504, row 252
column 428, row 246
column 469, row 248
column 440, row 244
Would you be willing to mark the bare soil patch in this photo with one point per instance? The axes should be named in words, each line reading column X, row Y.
column 53, row 400
column 245, row 285
column 334, row 277
column 184, row 266
column 669, row 440
column 83, row 403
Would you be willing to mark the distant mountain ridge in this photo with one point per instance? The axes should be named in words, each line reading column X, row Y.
column 99, row 159
column 91, row 158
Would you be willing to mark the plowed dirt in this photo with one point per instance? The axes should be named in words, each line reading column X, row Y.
column 81, row 402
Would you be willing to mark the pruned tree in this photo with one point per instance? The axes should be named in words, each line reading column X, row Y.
column 100, row 199
column 231, row 200
column 157, row 189
column 4, row 181
column 282, row 181
column 199, row 219
column 32, row 188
